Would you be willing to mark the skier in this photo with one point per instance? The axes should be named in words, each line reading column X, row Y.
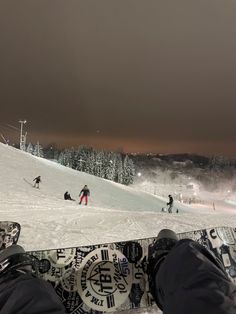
column 20, row 290
column 170, row 203
column 68, row 197
column 37, row 180
column 85, row 193
column 185, row 277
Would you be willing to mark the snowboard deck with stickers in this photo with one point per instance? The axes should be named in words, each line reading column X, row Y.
column 9, row 233
column 112, row 277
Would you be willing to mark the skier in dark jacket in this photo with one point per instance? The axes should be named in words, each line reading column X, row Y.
column 170, row 204
column 37, row 181
column 20, row 291
column 85, row 193
column 185, row 277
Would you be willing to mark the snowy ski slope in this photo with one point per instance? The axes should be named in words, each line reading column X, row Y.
column 115, row 212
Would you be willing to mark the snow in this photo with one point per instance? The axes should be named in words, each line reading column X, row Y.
column 115, row 212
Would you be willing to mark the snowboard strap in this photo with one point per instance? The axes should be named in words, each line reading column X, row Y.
column 16, row 261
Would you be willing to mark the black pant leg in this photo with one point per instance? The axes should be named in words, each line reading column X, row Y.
column 191, row 280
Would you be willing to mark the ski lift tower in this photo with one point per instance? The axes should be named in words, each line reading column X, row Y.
column 22, row 136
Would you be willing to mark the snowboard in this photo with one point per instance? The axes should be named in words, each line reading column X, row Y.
column 173, row 210
column 31, row 184
column 112, row 277
column 9, row 233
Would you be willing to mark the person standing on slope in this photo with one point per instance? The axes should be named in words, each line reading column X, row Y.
column 84, row 193
column 36, row 183
column 170, row 204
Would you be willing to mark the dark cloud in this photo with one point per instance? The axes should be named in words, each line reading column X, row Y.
column 150, row 75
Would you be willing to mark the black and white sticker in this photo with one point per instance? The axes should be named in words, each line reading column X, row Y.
column 104, row 279
column 69, row 280
column 61, row 257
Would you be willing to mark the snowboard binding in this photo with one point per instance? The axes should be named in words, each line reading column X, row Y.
column 14, row 258
column 157, row 253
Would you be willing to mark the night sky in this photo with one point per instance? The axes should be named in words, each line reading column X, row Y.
column 138, row 75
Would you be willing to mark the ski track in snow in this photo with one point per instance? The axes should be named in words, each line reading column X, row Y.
column 115, row 212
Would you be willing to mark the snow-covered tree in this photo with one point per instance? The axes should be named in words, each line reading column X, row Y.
column 110, row 166
column 61, row 158
column 128, row 171
column 90, row 163
column 119, row 169
column 65, row 158
column 81, row 159
column 99, row 164
column 73, row 158
column 30, row 148
column 38, row 150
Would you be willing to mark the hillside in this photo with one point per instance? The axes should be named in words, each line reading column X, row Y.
column 115, row 212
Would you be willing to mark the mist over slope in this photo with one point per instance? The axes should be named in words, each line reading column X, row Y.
column 191, row 179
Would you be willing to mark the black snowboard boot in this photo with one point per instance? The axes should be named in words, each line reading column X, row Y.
column 14, row 259
column 157, row 253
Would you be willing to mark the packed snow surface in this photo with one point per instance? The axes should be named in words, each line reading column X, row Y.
column 114, row 212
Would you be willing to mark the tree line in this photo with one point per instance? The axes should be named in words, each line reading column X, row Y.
column 36, row 150
column 114, row 166
column 108, row 165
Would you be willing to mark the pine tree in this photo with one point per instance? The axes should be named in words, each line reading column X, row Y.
column 119, row 168
column 128, row 171
column 87, row 152
column 61, row 158
column 73, row 158
column 90, row 162
column 99, row 164
column 30, row 148
column 38, row 150
column 56, row 154
column 110, row 166
column 81, row 159
column 102, row 157
column 65, row 158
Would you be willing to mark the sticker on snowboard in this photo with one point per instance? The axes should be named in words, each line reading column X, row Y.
column 9, row 233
